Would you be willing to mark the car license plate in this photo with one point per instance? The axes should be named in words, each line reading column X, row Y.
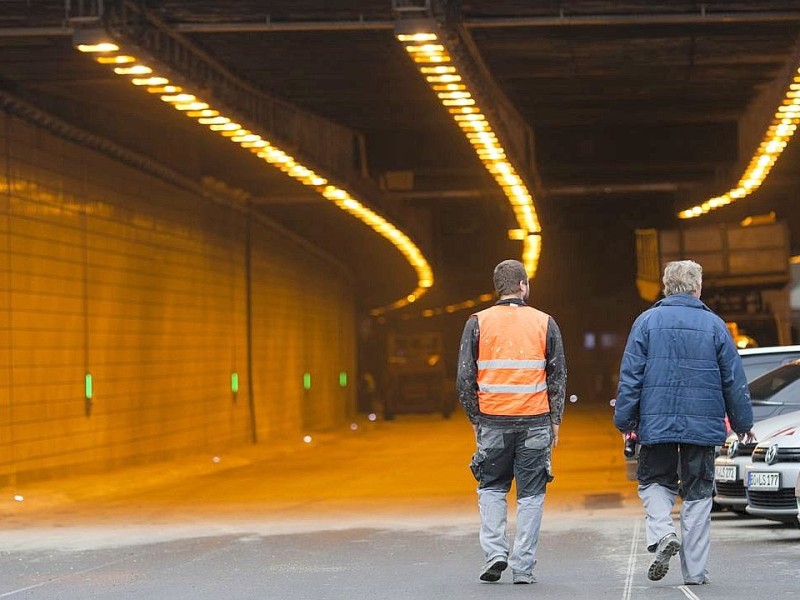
column 725, row 473
column 770, row 482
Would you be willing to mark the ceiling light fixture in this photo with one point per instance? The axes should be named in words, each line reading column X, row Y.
column 433, row 59
column 190, row 105
column 777, row 137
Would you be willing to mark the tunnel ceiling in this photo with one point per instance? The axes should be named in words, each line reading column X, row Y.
column 630, row 104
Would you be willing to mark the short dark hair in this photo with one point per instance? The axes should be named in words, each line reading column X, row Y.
column 507, row 276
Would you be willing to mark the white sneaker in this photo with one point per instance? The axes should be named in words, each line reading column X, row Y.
column 520, row 577
column 668, row 547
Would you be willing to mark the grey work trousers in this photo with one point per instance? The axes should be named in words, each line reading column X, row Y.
column 505, row 454
column 664, row 471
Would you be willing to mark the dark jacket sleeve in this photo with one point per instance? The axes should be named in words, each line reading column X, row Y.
column 467, row 373
column 556, row 370
column 734, row 385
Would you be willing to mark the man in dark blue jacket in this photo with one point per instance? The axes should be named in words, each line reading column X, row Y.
column 680, row 375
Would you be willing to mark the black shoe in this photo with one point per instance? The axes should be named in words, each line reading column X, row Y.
column 494, row 568
column 668, row 547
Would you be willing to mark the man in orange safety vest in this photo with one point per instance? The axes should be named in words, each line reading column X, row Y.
column 511, row 382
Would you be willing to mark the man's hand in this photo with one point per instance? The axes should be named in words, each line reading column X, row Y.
column 747, row 438
column 554, row 429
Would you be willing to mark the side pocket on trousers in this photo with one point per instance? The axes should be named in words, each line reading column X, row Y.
column 476, row 464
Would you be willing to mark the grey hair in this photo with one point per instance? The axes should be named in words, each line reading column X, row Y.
column 507, row 276
column 682, row 277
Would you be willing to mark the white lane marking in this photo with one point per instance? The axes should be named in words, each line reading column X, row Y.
column 626, row 592
column 688, row 593
column 62, row 578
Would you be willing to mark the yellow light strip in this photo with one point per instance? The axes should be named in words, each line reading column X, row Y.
column 777, row 137
column 431, row 55
column 102, row 47
column 115, row 60
column 427, row 313
column 193, row 107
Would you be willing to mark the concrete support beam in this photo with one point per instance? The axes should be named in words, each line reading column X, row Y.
column 701, row 17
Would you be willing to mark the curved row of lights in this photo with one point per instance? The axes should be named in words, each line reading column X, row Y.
column 181, row 99
column 434, row 62
column 455, row 307
column 774, row 142
column 448, row 309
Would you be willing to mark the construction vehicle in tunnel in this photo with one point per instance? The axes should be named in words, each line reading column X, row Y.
column 417, row 378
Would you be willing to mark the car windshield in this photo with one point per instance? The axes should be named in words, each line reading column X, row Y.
column 774, row 381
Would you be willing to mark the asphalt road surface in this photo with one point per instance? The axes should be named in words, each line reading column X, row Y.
column 382, row 510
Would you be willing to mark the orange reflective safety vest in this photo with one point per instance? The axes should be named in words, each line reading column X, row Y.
column 512, row 349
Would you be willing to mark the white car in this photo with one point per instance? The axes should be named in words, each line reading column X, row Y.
column 733, row 458
column 771, row 477
column 776, row 392
column 797, row 494
column 757, row 361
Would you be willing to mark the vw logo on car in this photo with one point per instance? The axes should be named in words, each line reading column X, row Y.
column 772, row 454
column 733, row 449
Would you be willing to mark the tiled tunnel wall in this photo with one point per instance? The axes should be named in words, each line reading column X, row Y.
column 107, row 271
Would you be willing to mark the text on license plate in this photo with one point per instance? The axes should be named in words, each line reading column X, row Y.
column 725, row 473
column 764, row 481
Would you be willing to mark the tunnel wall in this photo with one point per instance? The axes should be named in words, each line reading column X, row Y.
column 105, row 270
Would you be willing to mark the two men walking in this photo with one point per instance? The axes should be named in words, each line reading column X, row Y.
column 680, row 376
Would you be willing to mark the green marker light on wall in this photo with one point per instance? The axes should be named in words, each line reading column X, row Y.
column 235, row 382
column 307, row 381
column 343, row 379
column 88, row 391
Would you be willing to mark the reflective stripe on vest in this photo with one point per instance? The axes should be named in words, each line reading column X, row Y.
column 512, row 380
